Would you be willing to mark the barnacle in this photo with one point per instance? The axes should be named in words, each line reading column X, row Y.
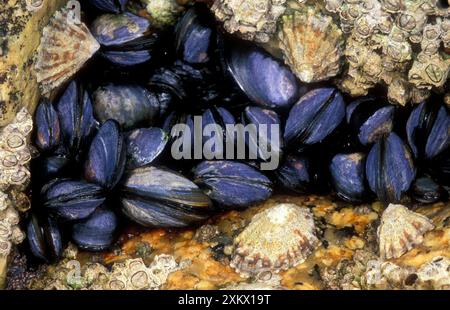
column 254, row 20
column 163, row 12
column 436, row 272
column 312, row 44
column 429, row 71
column 276, row 239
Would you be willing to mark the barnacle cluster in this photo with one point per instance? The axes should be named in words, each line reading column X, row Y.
column 402, row 45
column 366, row 271
column 134, row 274
column 14, row 177
column 254, row 20
column 129, row 274
column 430, row 275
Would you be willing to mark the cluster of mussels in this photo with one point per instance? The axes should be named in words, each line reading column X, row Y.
column 104, row 142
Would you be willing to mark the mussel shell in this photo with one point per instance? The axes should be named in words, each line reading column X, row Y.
column 144, row 146
column 314, row 117
column 295, row 174
column 265, row 80
column 44, row 238
column 158, row 197
column 97, row 232
column 127, row 58
column 194, row 36
column 182, row 136
column 170, row 81
column 426, row 190
column 130, row 105
column 208, row 130
column 118, row 29
column 440, row 168
column 126, row 39
column 348, row 176
column 44, row 168
column 428, row 130
column 390, row 169
column 216, row 119
column 371, row 118
column 105, row 162
column 268, row 140
column 72, row 200
column 76, row 118
column 232, row 184
column 191, row 87
column 112, row 6
column 48, row 132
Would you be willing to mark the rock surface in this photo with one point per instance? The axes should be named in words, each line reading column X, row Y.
column 21, row 25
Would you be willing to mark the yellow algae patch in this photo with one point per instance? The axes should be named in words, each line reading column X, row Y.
column 351, row 217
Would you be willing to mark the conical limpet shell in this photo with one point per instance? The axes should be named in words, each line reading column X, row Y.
column 276, row 239
column 65, row 47
column 400, row 230
column 312, row 44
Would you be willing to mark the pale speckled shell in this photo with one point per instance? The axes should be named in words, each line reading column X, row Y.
column 276, row 239
column 400, row 230
column 312, row 44
column 65, row 47
column 254, row 20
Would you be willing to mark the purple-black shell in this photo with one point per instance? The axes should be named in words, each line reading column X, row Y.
column 348, row 176
column 105, row 162
column 314, row 117
column 428, row 130
column 72, row 200
column 232, row 184
column 390, row 168
column 97, row 232
column 48, row 132
column 265, row 80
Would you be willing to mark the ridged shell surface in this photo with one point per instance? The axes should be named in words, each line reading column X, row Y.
column 66, row 45
column 312, row 44
column 400, row 230
column 276, row 239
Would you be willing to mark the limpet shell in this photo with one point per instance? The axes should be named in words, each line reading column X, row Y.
column 400, row 230
column 276, row 239
column 65, row 47
column 312, row 44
